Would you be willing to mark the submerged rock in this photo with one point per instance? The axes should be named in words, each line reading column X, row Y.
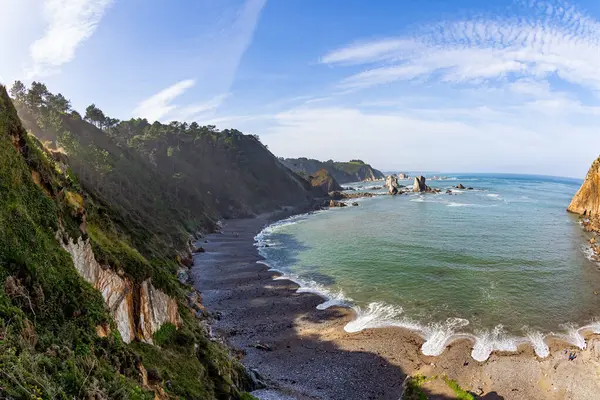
column 460, row 186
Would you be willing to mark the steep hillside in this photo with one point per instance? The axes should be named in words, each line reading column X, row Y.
column 324, row 181
column 88, row 287
column 342, row 172
column 171, row 179
column 587, row 200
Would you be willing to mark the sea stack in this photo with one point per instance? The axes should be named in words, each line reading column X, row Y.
column 391, row 184
column 587, row 200
column 419, row 184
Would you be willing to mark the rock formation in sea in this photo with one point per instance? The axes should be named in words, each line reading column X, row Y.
column 419, row 184
column 391, row 184
column 403, row 176
column 587, row 199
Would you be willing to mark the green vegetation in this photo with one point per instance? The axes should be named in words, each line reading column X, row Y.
column 460, row 393
column 137, row 191
column 48, row 314
column 414, row 388
column 342, row 172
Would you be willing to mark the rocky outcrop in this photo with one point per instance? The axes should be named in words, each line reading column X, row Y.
column 419, row 184
column 403, row 176
column 391, row 184
column 342, row 172
column 324, row 181
column 154, row 308
column 587, row 199
column 334, row 203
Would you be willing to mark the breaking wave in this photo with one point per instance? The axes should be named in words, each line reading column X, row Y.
column 437, row 336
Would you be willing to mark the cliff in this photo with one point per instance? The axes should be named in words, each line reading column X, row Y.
column 90, row 306
column 587, row 199
column 324, row 181
column 342, row 172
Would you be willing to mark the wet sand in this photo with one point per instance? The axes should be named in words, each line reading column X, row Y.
column 304, row 353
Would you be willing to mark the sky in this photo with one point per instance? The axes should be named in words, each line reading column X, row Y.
column 455, row 86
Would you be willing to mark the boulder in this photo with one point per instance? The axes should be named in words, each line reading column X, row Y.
column 419, row 184
column 334, row 203
column 459, row 186
column 391, row 184
column 448, row 191
column 355, row 204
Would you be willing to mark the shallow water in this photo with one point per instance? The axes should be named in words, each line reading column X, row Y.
column 502, row 263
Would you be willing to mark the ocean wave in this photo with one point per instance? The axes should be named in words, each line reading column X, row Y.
column 453, row 204
column 497, row 339
column 438, row 335
column 375, row 315
column 590, row 254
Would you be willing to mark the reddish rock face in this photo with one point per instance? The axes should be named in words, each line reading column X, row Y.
column 587, row 200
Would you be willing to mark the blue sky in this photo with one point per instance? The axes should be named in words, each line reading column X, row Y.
column 463, row 85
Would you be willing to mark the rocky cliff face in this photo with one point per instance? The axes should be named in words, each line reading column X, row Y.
column 587, row 200
column 324, row 181
column 137, row 311
column 342, row 172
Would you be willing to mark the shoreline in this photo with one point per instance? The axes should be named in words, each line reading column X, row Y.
column 542, row 343
column 326, row 327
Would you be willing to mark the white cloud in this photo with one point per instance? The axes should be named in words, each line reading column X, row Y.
column 559, row 39
column 159, row 105
column 196, row 111
column 69, row 24
column 368, row 52
column 454, row 139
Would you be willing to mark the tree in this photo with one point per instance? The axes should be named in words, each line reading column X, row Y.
column 18, row 91
column 95, row 115
column 59, row 103
column 36, row 97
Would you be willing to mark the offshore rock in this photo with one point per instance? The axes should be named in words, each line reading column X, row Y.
column 391, row 184
column 419, row 184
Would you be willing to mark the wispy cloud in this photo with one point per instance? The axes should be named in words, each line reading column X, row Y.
column 197, row 111
column 558, row 40
column 159, row 105
column 69, row 24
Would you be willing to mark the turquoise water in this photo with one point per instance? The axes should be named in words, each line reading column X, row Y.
column 502, row 264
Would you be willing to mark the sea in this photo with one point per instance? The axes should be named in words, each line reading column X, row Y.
column 501, row 264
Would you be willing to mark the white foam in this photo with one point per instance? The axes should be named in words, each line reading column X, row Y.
column 573, row 336
column 376, row 315
column 590, row 254
column 453, row 204
column 495, row 340
column 437, row 336
column 538, row 343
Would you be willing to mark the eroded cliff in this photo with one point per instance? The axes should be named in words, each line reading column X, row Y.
column 587, row 200
column 139, row 310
